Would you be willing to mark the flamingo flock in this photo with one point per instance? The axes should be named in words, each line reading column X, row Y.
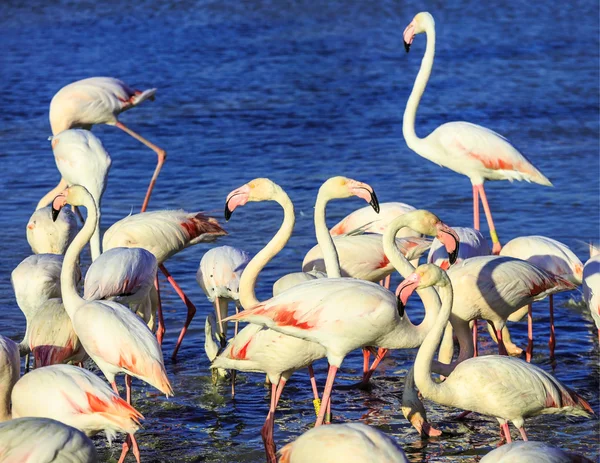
column 339, row 300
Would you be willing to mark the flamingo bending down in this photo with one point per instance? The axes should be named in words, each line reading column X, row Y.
column 341, row 314
column 55, row 442
column 98, row 100
column 468, row 149
column 348, row 442
column 552, row 256
column 253, row 349
column 528, row 451
column 591, row 286
column 48, row 237
column 164, row 233
column 115, row 338
column 496, row 385
column 82, row 160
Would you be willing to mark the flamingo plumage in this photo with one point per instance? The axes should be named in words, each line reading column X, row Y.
column 465, row 148
column 164, row 233
column 99, row 100
column 528, row 451
column 506, row 388
column 55, row 442
column 591, row 286
column 48, row 237
column 369, row 221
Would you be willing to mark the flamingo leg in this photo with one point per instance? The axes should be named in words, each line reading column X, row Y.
column 552, row 341
column 160, row 331
column 475, row 208
column 475, row 350
column 387, row 281
column 161, row 153
column 381, row 353
column 328, row 412
column 233, row 372
column 28, row 356
column 130, row 442
column 313, row 383
column 488, row 214
column 366, row 361
column 506, row 430
column 523, row 433
column 326, row 394
column 501, row 346
column 529, row 351
column 190, row 307
column 266, row 431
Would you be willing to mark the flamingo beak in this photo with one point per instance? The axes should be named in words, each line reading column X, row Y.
column 364, row 191
column 59, row 202
column 409, row 36
column 236, row 198
column 450, row 240
column 405, row 289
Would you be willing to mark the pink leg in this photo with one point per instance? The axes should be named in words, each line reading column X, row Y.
column 387, row 281
column 267, row 430
column 488, row 214
column 162, row 156
column 501, row 346
column 326, row 394
column 160, row 331
column 506, row 432
column 475, row 208
column 475, row 350
column 190, row 314
column 313, row 382
column 328, row 412
column 529, row 350
column 523, row 433
column 366, row 358
column 552, row 341
column 381, row 353
column 115, row 388
column 130, row 442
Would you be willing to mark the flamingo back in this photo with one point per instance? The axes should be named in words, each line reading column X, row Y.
column 220, row 271
column 292, row 279
column 472, row 244
column 591, row 287
column 528, row 451
column 46, row 236
column 55, row 442
column 163, row 233
column 10, row 369
column 75, row 397
column 548, row 254
column 370, row 221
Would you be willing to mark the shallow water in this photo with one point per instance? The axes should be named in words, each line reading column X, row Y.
column 300, row 91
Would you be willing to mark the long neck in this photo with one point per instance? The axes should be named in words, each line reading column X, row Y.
column 423, row 380
column 429, row 296
column 332, row 263
column 95, row 240
column 410, row 113
column 68, row 274
column 250, row 274
column 9, row 375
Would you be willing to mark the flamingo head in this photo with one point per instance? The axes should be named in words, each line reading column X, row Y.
column 418, row 25
column 259, row 189
column 73, row 195
column 343, row 187
column 449, row 239
column 424, row 276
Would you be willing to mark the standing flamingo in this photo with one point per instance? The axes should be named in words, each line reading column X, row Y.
column 98, row 100
column 348, row 442
column 552, row 256
column 55, row 442
column 591, row 285
column 48, row 237
column 164, row 234
column 529, row 451
column 506, row 388
column 341, row 314
column 82, row 160
column 115, row 338
column 468, row 149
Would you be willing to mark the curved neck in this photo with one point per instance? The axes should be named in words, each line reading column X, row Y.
column 258, row 262
column 423, row 380
column 410, row 113
column 330, row 256
column 95, row 239
column 68, row 274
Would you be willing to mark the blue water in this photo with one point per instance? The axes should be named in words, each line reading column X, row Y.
column 300, row 91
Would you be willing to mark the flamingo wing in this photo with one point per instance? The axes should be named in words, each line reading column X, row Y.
column 372, row 222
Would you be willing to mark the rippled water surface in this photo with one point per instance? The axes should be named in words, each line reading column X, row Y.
column 300, row 91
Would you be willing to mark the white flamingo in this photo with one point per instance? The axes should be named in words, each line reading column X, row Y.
column 48, row 237
column 529, row 451
column 591, row 285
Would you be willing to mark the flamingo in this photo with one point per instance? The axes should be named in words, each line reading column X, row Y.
column 253, row 348
column 466, row 148
column 527, row 451
column 115, row 338
column 591, row 285
column 9, row 374
column 48, row 237
column 98, row 100
column 552, row 256
column 295, row 278
column 348, row 442
column 164, row 234
column 369, row 221
column 55, row 442
column 82, row 160
column 340, row 314
column 506, row 388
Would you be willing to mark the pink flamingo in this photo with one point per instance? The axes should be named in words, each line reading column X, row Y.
column 525, row 451
column 468, row 149
column 341, row 314
column 591, row 285
column 506, row 388
column 98, row 100
column 48, row 237
column 351, row 442
column 552, row 256
column 164, row 234
column 369, row 221
column 115, row 338
column 54, row 442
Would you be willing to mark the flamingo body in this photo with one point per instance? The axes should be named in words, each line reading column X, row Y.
column 220, row 271
column 369, row 221
column 295, row 278
column 55, row 442
column 591, row 287
column 48, row 237
column 528, row 451
column 472, row 244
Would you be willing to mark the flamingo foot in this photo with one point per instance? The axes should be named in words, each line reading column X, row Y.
column 496, row 248
column 130, row 443
column 463, row 415
column 266, row 433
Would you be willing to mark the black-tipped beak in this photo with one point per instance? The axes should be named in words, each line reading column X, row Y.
column 227, row 211
column 55, row 213
column 374, row 202
column 406, row 47
column 400, row 307
column 453, row 255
